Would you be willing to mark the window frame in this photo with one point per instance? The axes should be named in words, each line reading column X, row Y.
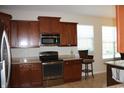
column 115, row 45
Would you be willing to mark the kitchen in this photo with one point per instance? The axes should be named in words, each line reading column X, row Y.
column 28, row 21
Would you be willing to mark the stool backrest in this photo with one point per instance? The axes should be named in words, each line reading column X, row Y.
column 83, row 53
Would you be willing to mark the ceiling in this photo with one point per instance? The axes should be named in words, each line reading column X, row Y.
column 90, row 10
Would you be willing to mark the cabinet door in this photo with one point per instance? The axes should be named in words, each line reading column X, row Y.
column 23, row 33
column 72, row 70
column 44, row 25
column 49, row 24
column 120, row 28
column 25, row 75
column 77, row 68
column 67, row 71
column 36, row 75
column 14, row 77
column 34, row 35
column 54, row 25
column 72, row 34
column 13, row 34
column 64, row 34
column 68, row 34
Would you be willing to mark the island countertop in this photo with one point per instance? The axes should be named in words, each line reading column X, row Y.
column 118, row 63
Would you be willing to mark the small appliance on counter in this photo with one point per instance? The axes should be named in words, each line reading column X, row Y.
column 52, row 68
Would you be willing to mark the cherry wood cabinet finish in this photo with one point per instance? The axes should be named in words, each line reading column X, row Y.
column 14, row 34
column 49, row 24
column 26, row 75
column 36, row 75
column 72, row 70
column 120, row 28
column 5, row 19
column 24, row 33
column 27, row 33
column 14, row 76
column 34, row 35
column 68, row 34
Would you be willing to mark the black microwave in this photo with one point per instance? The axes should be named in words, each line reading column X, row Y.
column 50, row 39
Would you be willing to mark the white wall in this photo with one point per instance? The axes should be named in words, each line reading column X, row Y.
column 97, row 22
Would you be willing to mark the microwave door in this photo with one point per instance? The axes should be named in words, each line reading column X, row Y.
column 6, row 60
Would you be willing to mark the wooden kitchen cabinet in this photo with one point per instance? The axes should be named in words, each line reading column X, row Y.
column 5, row 20
column 68, row 34
column 26, row 75
column 49, row 25
column 14, row 76
column 120, row 28
column 72, row 70
column 36, row 75
column 24, row 33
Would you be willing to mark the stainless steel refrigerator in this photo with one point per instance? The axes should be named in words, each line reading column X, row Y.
column 5, row 59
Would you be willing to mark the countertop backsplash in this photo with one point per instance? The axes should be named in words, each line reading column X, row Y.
column 34, row 52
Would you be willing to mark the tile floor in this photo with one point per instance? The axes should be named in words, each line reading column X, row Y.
column 99, row 81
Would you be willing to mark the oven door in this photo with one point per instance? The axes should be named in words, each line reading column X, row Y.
column 52, row 70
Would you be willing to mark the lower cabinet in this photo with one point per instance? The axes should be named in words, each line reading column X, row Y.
column 26, row 75
column 72, row 70
column 30, row 74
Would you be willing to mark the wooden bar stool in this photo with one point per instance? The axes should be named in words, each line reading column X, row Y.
column 86, row 70
column 86, row 60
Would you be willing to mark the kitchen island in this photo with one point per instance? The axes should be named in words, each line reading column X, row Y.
column 113, row 64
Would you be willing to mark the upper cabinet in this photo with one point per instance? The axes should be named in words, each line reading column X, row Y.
column 68, row 34
column 49, row 24
column 120, row 28
column 27, row 33
column 5, row 21
column 24, row 34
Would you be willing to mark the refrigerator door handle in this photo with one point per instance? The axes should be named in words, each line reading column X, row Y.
column 3, row 75
column 1, row 65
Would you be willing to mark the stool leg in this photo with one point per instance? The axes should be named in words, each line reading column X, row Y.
column 85, row 71
column 92, row 70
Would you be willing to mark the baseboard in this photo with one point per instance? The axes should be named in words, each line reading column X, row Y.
column 95, row 73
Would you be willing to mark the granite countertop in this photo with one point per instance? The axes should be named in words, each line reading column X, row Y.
column 119, row 63
column 117, row 86
column 36, row 59
column 69, row 57
column 25, row 60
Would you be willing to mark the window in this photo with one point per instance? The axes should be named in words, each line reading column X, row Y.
column 85, row 37
column 109, row 42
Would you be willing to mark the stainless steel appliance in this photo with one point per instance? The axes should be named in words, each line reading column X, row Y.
column 5, row 59
column 52, row 68
column 50, row 39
